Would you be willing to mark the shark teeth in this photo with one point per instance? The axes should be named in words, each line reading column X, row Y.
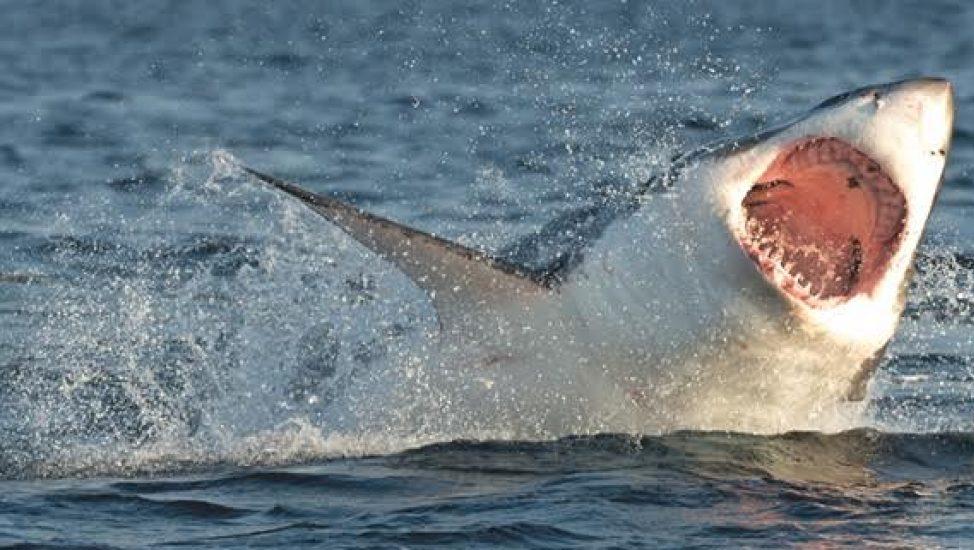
column 779, row 263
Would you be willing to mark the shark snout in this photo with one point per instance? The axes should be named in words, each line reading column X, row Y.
column 931, row 101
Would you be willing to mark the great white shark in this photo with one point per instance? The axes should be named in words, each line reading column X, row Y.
column 752, row 286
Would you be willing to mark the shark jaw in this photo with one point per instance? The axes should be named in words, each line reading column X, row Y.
column 823, row 222
column 831, row 208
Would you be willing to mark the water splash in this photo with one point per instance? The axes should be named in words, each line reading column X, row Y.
column 147, row 343
column 927, row 383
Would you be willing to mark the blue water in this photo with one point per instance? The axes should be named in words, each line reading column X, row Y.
column 187, row 359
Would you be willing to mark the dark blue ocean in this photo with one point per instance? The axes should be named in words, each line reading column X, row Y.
column 187, row 359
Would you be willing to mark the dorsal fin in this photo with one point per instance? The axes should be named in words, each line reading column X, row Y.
column 461, row 281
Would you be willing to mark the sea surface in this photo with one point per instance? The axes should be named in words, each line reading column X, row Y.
column 189, row 360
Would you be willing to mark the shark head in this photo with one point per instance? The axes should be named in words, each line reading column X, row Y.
column 784, row 256
column 829, row 209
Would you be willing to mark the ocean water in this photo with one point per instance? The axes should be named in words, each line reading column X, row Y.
column 187, row 359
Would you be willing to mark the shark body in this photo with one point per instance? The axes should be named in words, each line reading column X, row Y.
column 754, row 287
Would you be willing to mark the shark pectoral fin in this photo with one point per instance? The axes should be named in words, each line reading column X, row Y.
column 860, row 382
column 461, row 281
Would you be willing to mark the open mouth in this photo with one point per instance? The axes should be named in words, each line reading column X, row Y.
column 823, row 221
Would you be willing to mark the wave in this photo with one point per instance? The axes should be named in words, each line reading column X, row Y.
column 862, row 457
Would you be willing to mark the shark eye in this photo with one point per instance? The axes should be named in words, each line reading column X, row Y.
column 872, row 95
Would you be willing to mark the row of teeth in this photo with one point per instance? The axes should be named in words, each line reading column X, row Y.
column 771, row 259
column 818, row 151
column 830, row 151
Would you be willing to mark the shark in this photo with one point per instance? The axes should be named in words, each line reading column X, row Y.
column 753, row 285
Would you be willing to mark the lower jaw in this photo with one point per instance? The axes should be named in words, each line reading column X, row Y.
column 786, row 283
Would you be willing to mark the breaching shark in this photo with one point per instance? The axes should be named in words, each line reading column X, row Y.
column 752, row 286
